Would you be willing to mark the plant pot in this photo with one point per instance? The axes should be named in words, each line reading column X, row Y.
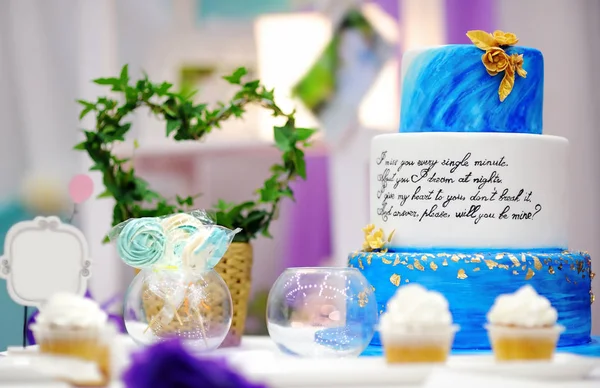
column 236, row 269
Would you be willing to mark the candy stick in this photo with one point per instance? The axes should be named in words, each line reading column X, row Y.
column 202, row 327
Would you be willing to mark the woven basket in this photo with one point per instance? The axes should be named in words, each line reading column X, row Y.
column 236, row 269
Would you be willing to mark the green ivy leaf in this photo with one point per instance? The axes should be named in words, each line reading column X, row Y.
column 114, row 82
column 104, row 194
column 303, row 134
column 80, row 146
column 236, row 77
column 283, row 137
column 124, row 76
column 172, row 125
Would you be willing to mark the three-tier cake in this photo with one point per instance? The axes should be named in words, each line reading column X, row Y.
column 470, row 194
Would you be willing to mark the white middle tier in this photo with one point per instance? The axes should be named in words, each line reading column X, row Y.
column 470, row 190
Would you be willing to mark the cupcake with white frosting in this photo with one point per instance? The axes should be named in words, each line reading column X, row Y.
column 417, row 326
column 522, row 326
column 73, row 326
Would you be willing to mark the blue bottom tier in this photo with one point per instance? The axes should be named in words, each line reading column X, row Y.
column 472, row 281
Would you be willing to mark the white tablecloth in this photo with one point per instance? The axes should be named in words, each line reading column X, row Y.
column 259, row 358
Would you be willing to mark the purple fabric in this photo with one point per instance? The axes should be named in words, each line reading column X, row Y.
column 309, row 234
column 392, row 7
column 465, row 15
column 117, row 320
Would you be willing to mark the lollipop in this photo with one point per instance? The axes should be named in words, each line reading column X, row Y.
column 179, row 228
column 204, row 250
column 142, row 243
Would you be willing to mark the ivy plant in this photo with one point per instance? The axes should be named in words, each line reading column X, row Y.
column 186, row 120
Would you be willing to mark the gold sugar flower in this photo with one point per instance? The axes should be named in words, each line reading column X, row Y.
column 505, row 38
column 496, row 60
column 517, row 62
column 375, row 239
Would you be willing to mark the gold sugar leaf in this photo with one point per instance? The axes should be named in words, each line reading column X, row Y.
column 389, row 239
column 530, row 274
column 360, row 264
column 386, row 261
column 476, row 269
column 419, row 266
column 482, row 39
column 461, row 274
column 491, row 263
column 537, row 264
column 395, row 279
column 455, row 258
column 433, row 266
column 445, row 263
column 507, row 84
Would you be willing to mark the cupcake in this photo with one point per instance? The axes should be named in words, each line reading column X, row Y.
column 522, row 326
column 69, row 325
column 417, row 326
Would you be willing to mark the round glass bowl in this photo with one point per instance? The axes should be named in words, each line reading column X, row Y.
column 322, row 312
column 170, row 303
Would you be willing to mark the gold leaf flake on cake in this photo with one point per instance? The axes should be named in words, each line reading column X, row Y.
column 514, row 260
column 502, row 266
column 592, row 297
column 445, row 263
column 410, row 266
column 461, row 274
column 360, row 264
column 491, row 263
column 523, row 267
column 551, row 270
column 515, row 272
column 476, row 260
column 369, row 258
column 395, row 279
column 386, row 261
column 500, row 256
column 431, row 255
column 419, row 266
column 424, row 258
column 592, row 275
column 567, row 279
column 476, row 269
column 397, row 260
column 479, row 256
column 530, row 274
column 363, row 299
column 579, row 266
column 537, row 264
column 433, row 266
column 523, row 259
column 406, row 281
column 455, row 258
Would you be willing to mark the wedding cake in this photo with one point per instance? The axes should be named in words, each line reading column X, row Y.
column 470, row 198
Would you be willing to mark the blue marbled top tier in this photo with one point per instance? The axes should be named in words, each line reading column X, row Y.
column 447, row 89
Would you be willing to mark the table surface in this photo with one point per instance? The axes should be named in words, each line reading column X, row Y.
column 261, row 354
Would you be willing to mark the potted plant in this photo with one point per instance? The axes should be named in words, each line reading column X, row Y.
column 186, row 120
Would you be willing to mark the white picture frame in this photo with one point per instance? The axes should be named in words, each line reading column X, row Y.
column 43, row 257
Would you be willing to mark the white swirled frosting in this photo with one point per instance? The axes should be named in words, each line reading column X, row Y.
column 69, row 310
column 524, row 308
column 414, row 309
